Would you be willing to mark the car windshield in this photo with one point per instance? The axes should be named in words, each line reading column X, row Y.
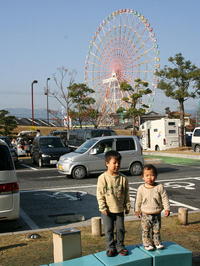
column 51, row 143
column 85, row 146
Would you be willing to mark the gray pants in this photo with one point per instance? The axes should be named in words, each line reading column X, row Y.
column 111, row 222
column 151, row 224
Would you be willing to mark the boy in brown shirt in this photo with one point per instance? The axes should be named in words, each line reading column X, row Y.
column 113, row 200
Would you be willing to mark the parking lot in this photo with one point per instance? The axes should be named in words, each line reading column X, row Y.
column 49, row 199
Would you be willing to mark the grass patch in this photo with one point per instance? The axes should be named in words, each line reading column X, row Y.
column 18, row 249
column 173, row 160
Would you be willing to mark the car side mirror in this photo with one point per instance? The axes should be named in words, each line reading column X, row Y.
column 93, row 151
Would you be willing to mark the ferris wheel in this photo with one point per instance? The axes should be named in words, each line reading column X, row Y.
column 123, row 48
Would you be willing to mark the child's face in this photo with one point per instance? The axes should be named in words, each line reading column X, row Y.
column 113, row 166
column 149, row 177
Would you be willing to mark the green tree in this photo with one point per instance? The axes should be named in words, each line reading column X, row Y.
column 80, row 97
column 180, row 82
column 136, row 108
column 7, row 123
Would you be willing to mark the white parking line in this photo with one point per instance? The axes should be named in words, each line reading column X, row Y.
column 27, row 166
column 94, row 186
column 176, row 203
column 28, row 220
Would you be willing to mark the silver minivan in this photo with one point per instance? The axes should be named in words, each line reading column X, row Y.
column 89, row 158
column 9, row 186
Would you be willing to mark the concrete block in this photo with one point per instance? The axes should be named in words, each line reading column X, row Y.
column 173, row 255
column 66, row 244
column 89, row 260
column 136, row 257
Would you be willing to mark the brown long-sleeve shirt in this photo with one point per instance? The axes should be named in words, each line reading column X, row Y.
column 113, row 193
column 151, row 200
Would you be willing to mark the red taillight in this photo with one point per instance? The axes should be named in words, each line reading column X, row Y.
column 9, row 187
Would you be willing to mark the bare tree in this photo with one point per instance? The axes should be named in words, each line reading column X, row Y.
column 63, row 78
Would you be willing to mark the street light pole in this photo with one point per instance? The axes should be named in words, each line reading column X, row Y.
column 35, row 81
column 47, row 93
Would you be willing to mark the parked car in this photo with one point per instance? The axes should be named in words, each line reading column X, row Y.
column 46, row 150
column 77, row 137
column 89, row 157
column 9, row 186
column 196, row 139
column 24, row 142
column 12, row 149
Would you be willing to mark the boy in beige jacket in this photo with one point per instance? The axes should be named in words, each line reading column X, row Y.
column 113, row 200
column 151, row 199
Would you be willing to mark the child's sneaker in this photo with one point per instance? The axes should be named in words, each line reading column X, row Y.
column 149, row 248
column 111, row 252
column 160, row 246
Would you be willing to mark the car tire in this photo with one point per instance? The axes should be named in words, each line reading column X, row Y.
column 79, row 172
column 40, row 164
column 136, row 169
column 197, row 148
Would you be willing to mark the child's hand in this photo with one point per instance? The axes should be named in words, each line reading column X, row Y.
column 105, row 213
column 167, row 213
column 138, row 214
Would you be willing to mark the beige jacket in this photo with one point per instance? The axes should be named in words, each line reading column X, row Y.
column 151, row 200
column 113, row 193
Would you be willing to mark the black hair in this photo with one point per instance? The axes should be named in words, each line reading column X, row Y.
column 150, row 167
column 112, row 154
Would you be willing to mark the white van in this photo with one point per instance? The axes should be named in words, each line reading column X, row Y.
column 89, row 158
column 160, row 134
column 9, row 186
column 196, row 139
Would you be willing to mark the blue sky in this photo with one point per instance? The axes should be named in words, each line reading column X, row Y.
column 39, row 36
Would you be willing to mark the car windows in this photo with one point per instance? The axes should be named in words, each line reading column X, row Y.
column 104, row 146
column 125, row 144
column 5, row 159
column 197, row 133
column 85, row 146
column 51, row 142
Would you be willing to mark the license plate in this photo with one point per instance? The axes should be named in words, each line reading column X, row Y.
column 53, row 161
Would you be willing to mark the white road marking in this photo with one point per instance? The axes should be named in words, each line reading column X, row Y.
column 28, row 220
column 27, row 166
column 179, row 204
column 94, row 186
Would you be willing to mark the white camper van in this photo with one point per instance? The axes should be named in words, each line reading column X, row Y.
column 196, row 139
column 160, row 134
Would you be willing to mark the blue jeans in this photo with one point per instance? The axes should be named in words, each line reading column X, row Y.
column 114, row 221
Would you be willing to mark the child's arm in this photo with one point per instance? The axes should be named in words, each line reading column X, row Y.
column 165, row 201
column 127, row 198
column 138, row 203
column 101, row 196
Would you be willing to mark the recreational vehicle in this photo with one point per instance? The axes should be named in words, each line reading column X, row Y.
column 160, row 134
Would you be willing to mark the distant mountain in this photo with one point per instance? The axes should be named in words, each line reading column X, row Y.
column 27, row 113
column 42, row 113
